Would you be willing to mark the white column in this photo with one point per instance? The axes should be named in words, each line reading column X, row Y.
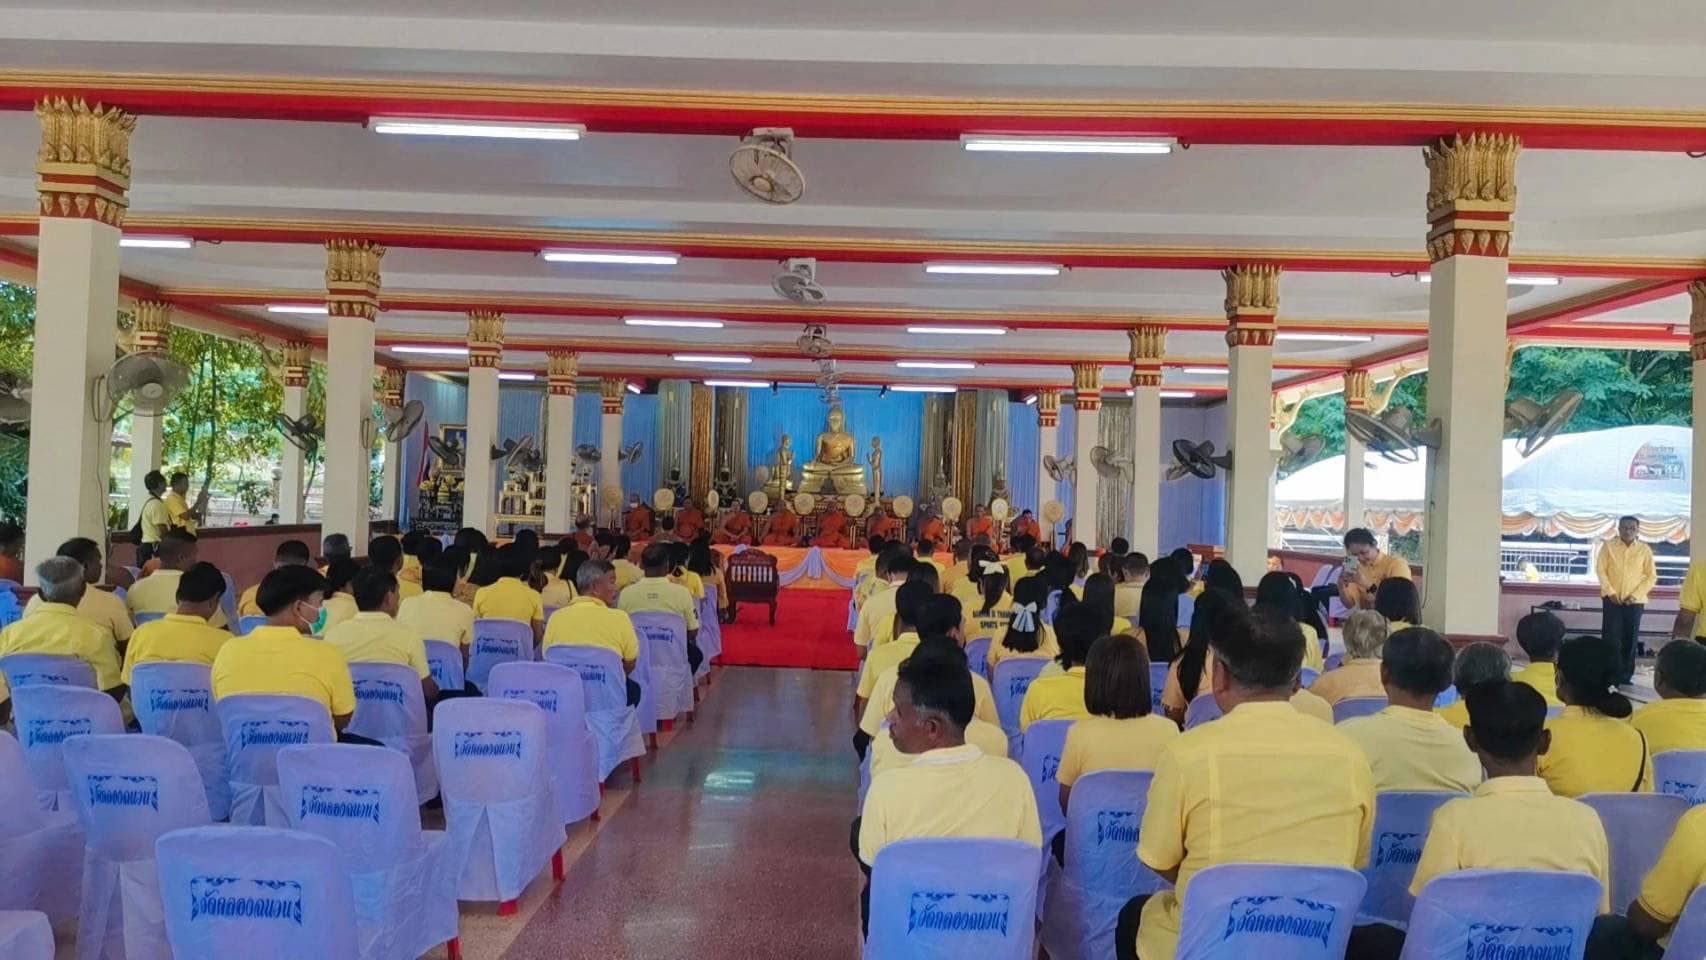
column 1087, row 407
column 82, row 177
column 1471, row 197
column 1697, row 349
column 1357, row 384
column 391, row 398
column 292, row 476
column 1252, row 298
column 485, row 352
column 352, row 301
column 561, row 366
column 612, row 391
column 1148, row 347
column 1048, row 440
column 152, row 329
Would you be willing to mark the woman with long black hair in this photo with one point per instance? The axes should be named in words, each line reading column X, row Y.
column 1190, row 675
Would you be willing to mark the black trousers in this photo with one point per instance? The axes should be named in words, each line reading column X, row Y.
column 344, row 736
column 695, row 657
column 1620, row 624
column 633, row 694
column 1125, row 930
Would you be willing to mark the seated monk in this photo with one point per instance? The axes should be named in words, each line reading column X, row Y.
column 784, row 529
column 1027, row 526
column 887, row 527
column 736, row 528
column 832, row 531
column 688, row 522
column 981, row 524
column 932, row 529
column 637, row 520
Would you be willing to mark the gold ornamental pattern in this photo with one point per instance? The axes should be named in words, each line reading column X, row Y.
column 1471, row 194
column 352, row 278
column 153, row 326
column 611, row 392
column 1087, row 386
column 1697, row 320
column 485, row 338
column 1358, row 384
column 561, row 368
column 1148, row 347
column 83, row 168
column 1252, row 299
column 1048, row 407
column 391, row 386
column 296, row 360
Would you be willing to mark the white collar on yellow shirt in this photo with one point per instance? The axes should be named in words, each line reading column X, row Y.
column 946, row 756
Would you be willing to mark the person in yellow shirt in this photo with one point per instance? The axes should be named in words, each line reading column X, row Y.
column 1479, row 662
column 436, row 613
column 1191, row 672
column 290, row 553
column 98, row 606
column 1690, row 601
column 1678, row 720
column 1540, row 634
column 909, row 602
column 158, row 592
column 1133, row 573
column 875, row 625
column 592, row 620
column 1360, row 675
column 1409, row 747
column 339, row 604
column 1593, row 747
column 865, row 573
column 374, row 636
column 927, row 555
column 510, row 598
column 554, row 592
column 1396, row 599
column 184, row 635
column 1371, row 568
column 627, row 572
column 1512, row 821
column 1018, row 562
column 335, row 547
column 1262, row 784
column 1023, row 634
column 961, row 568
column 656, row 593
column 57, row 628
column 987, row 613
column 386, row 553
column 1626, row 574
column 1122, row 732
column 982, row 563
column 153, row 521
column 1061, row 697
column 939, row 620
column 1680, row 870
column 183, row 516
column 280, row 657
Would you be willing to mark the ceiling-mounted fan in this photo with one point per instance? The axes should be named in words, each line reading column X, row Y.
column 763, row 165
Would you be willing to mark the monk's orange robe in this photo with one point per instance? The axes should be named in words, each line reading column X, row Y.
column 1028, row 527
column 637, row 523
column 980, row 527
column 688, row 523
column 832, row 531
column 738, row 529
column 784, row 531
column 932, row 530
column 889, row 528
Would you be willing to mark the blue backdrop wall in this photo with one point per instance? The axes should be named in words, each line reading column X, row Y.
column 800, row 412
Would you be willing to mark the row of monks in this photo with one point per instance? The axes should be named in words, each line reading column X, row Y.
column 834, row 528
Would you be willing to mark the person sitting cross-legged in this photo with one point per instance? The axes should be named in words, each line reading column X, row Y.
column 56, row 627
column 374, row 636
column 1594, row 749
column 1360, row 675
column 184, row 635
column 1677, row 721
column 289, row 553
column 1540, row 634
column 591, row 619
column 1408, row 745
column 1479, row 662
column 280, row 657
column 1262, row 784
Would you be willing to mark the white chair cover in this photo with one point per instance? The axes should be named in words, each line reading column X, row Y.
column 573, row 757
column 175, row 700
column 1102, row 871
column 1352, row 707
column 711, row 627
column 977, row 655
column 248, row 623
column 1202, row 709
column 1269, row 910
column 1039, row 754
column 47, row 716
column 615, row 726
column 497, row 641
column 1688, row 939
column 499, row 808
column 25, row 935
column 256, row 727
column 1013, row 677
column 403, row 879
column 952, row 899
column 664, row 638
column 41, row 852
column 444, row 661
column 29, row 669
column 256, row 893
column 390, row 707
column 1681, row 773
column 1636, row 828
column 647, row 708
column 1401, row 823
column 1503, row 913
column 129, row 792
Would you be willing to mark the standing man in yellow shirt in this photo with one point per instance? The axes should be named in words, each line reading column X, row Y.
column 57, row 628
column 1626, row 575
column 103, row 609
column 1356, row 587
column 510, row 598
column 154, row 521
column 1690, row 602
column 656, row 593
column 374, row 635
column 280, row 657
column 592, row 620
column 185, row 635
column 183, row 516
column 290, row 553
column 1677, row 721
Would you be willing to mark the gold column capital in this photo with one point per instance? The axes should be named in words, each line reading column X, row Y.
column 1087, row 385
column 153, row 319
column 561, row 368
column 391, row 386
column 485, row 338
column 1048, row 407
column 1148, row 348
column 352, row 278
column 1471, row 194
column 296, row 360
column 1252, row 299
column 1358, row 385
column 611, row 392
column 1697, row 320
column 83, row 168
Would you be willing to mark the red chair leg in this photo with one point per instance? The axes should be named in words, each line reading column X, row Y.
column 508, row 908
column 557, row 872
column 634, row 768
column 668, row 725
column 595, row 816
column 454, row 948
column 651, row 741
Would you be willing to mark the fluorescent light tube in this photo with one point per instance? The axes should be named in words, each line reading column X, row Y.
column 317, row 311
column 672, row 322
column 420, row 127
column 960, row 331
column 985, row 143
column 936, row 364
column 156, row 243
column 433, row 351
column 921, row 388
column 610, row 256
column 750, row 384
column 995, row 269
column 709, row 358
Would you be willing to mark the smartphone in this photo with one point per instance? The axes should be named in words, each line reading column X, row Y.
column 1351, row 564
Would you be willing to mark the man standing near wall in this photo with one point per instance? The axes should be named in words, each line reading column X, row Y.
column 1626, row 575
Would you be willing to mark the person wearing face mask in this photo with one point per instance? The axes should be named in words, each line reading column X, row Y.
column 282, row 657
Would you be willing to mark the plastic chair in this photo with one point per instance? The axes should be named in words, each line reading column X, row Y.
column 49, row 715
column 573, row 757
column 710, row 631
column 256, row 727
column 391, row 707
column 615, row 726
column 1333, row 661
column 403, row 879
column 41, row 852
column 29, row 669
column 1352, row 707
column 143, row 618
column 977, row 655
column 497, row 641
column 1202, row 709
column 129, row 791
column 663, row 637
column 1307, row 676
column 1013, row 676
column 1157, row 684
column 246, row 624
column 444, row 662
column 1402, row 820
column 1102, row 871
column 1688, row 939
column 948, row 899
column 1187, row 610
column 228, row 599
column 1681, row 773
column 25, row 935
column 499, row 808
column 1043, row 742
column 254, row 892
column 1503, row 913
column 1636, row 827
column 1269, row 910
column 175, row 700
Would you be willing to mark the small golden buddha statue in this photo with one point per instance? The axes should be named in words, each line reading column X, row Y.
column 833, row 465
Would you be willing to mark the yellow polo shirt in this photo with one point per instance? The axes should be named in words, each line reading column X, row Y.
column 372, row 636
column 660, row 595
column 1310, row 705
column 1626, row 570
column 1515, row 823
column 176, row 637
column 178, row 510
column 155, row 520
column 1059, row 697
column 1357, row 678
column 959, row 570
column 1593, row 753
column 885, row 657
column 1128, row 599
column 982, row 734
column 246, row 605
column 1681, row 869
column 158, row 593
column 408, row 588
column 1385, row 567
column 557, row 593
column 626, row 573
column 1263, row 784
column 694, row 583
column 339, row 607
column 439, row 616
column 1543, row 677
column 509, row 599
column 966, row 590
column 977, row 624
column 1016, row 569
column 881, row 702
column 1414, row 750
column 280, row 660
column 587, row 622
column 951, row 792
column 1312, row 656
column 1103, row 743
column 1047, row 647
column 103, row 609
column 1678, row 724
column 875, row 626
column 57, row 628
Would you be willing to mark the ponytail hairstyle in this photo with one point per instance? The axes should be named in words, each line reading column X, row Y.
column 1589, row 671
column 1025, row 623
column 992, row 587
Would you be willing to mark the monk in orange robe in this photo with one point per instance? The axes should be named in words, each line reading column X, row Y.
column 637, row 520
column 932, row 529
column 736, row 528
column 832, row 531
column 1027, row 526
column 688, row 522
column 887, row 527
column 784, row 529
column 583, row 532
column 980, row 525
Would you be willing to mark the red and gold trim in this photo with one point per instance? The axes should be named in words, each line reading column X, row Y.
column 1358, row 384
column 485, row 338
column 1252, row 299
column 153, row 326
column 296, row 360
column 1148, row 348
column 1697, row 320
column 611, row 392
column 83, row 169
column 1471, row 194
column 561, row 368
column 1048, row 407
column 352, row 278
column 1087, row 386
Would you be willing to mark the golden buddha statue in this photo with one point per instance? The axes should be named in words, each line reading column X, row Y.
column 834, row 465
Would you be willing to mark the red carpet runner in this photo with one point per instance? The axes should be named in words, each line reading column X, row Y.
column 810, row 631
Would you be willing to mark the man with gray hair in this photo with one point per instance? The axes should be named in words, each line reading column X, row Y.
column 592, row 620
column 55, row 626
column 1477, row 663
column 1359, row 676
column 335, row 546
